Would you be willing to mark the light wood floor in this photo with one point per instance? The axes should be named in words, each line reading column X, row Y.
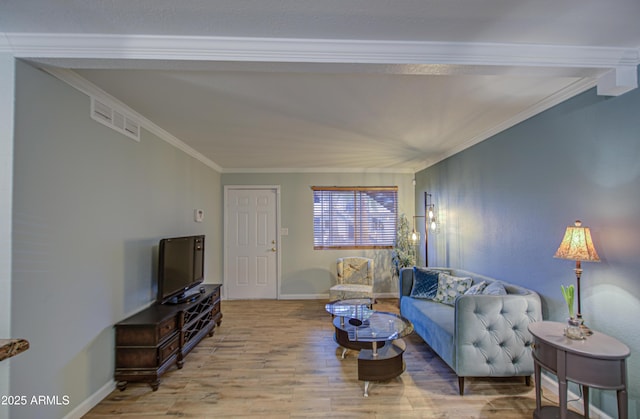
column 277, row 359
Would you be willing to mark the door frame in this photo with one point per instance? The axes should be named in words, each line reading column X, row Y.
column 227, row 188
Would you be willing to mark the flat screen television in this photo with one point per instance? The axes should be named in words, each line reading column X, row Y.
column 180, row 268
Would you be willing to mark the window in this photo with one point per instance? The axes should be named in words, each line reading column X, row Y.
column 354, row 217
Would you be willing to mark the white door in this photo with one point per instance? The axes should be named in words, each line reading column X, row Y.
column 251, row 243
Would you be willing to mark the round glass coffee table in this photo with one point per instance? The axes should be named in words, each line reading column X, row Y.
column 347, row 315
column 376, row 334
column 353, row 308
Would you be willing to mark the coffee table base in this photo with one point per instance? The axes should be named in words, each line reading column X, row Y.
column 342, row 338
column 384, row 365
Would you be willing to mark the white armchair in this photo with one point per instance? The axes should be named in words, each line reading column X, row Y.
column 354, row 279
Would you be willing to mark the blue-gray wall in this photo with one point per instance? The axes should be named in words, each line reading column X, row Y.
column 504, row 205
column 90, row 206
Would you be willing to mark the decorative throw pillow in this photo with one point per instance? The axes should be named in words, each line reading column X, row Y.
column 477, row 288
column 495, row 288
column 425, row 283
column 451, row 287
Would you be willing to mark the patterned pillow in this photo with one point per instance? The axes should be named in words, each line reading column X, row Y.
column 477, row 288
column 495, row 288
column 425, row 283
column 451, row 287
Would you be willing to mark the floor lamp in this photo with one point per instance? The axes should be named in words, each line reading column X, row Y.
column 430, row 223
column 577, row 245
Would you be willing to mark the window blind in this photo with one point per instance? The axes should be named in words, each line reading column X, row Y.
column 354, row 217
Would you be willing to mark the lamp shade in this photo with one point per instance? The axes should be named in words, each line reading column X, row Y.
column 577, row 244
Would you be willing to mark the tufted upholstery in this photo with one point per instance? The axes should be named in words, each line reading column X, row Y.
column 482, row 335
column 354, row 279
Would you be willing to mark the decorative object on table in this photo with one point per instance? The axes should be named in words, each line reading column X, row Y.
column 577, row 245
column 431, row 224
column 568, row 293
column 404, row 251
column 573, row 330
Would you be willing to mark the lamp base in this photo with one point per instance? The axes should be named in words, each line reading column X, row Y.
column 584, row 329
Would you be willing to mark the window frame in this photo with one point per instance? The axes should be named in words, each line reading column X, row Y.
column 362, row 197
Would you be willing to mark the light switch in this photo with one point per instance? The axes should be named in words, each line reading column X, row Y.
column 198, row 215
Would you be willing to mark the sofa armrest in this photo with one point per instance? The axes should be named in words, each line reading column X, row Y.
column 405, row 281
column 492, row 335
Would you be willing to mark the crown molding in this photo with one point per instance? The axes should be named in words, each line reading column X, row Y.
column 102, row 46
column 5, row 46
column 320, row 170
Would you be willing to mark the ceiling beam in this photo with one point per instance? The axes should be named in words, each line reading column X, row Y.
column 92, row 50
column 618, row 81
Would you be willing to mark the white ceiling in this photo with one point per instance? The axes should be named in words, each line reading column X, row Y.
column 378, row 85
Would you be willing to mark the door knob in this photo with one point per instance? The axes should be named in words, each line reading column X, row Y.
column 273, row 249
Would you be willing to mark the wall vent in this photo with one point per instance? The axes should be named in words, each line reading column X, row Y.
column 114, row 118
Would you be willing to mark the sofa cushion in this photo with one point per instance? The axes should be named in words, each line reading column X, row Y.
column 434, row 322
column 425, row 283
column 495, row 288
column 451, row 287
column 477, row 288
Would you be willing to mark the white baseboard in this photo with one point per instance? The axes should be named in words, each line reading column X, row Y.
column 304, row 297
column 91, row 401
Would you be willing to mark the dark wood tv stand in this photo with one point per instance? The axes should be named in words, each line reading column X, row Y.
column 151, row 341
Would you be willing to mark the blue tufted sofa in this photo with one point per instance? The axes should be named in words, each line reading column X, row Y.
column 480, row 335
